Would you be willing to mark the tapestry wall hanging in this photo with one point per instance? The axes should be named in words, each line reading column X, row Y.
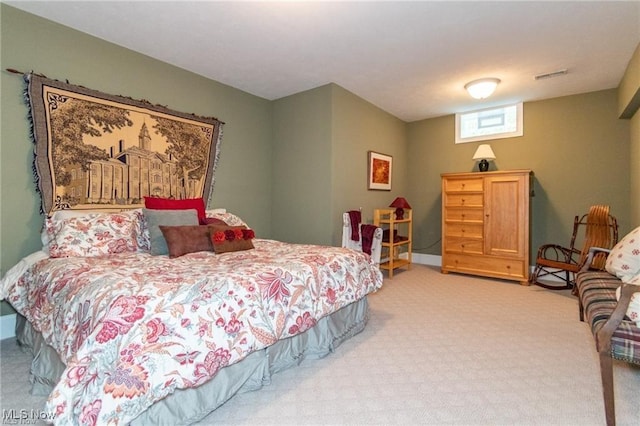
column 95, row 151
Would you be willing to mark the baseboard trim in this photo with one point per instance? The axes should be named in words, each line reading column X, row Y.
column 426, row 259
column 7, row 326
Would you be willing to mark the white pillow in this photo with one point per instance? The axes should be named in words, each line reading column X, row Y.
column 213, row 212
column 624, row 259
column 229, row 218
column 56, row 220
column 633, row 311
column 94, row 234
column 56, row 217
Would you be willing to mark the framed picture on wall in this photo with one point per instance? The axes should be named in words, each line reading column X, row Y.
column 380, row 171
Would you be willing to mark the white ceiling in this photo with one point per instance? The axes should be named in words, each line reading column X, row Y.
column 411, row 59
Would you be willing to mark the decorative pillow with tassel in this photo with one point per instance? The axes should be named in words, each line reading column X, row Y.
column 231, row 238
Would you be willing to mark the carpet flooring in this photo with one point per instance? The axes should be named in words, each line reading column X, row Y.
column 438, row 350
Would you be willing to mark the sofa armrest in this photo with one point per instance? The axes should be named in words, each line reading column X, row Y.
column 593, row 251
column 603, row 336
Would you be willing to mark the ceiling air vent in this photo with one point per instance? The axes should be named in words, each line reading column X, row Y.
column 550, row 74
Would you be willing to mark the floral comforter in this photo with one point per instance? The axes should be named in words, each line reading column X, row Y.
column 132, row 328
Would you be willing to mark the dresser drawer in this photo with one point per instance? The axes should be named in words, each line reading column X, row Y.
column 462, row 200
column 469, row 230
column 456, row 214
column 461, row 185
column 485, row 265
column 463, row 245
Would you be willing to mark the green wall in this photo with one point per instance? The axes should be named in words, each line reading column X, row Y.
column 629, row 88
column 628, row 106
column 321, row 139
column 576, row 146
column 301, row 167
column 359, row 127
column 634, row 158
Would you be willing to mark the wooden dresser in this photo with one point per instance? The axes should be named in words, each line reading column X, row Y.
column 485, row 224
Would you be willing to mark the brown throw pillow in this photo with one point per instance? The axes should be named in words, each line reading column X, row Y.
column 186, row 239
column 231, row 238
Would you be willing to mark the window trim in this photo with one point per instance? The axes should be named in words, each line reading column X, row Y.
column 518, row 132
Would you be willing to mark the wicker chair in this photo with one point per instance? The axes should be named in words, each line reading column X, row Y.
column 595, row 229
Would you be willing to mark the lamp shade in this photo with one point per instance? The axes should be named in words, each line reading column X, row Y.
column 484, row 152
column 483, row 88
column 400, row 203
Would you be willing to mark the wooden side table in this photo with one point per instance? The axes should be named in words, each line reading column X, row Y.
column 397, row 235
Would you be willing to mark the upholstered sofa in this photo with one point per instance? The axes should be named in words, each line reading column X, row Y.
column 613, row 323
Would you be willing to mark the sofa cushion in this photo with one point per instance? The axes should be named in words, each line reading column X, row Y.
column 597, row 290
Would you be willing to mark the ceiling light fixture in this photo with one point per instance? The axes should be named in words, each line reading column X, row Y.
column 483, row 88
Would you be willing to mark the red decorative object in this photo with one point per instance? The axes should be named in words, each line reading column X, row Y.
column 156, row 203
column 219, row 237
column 400, row 204
column 231, row 238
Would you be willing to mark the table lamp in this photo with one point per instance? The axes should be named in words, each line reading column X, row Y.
column 400, row 204
column 484, row 153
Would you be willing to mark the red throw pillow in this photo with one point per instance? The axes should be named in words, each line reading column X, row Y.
column 231, row 238
column 171, row 204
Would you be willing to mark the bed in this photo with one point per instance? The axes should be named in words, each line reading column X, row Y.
column 132, row 337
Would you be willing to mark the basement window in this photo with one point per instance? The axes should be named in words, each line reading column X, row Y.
column 489, row 123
